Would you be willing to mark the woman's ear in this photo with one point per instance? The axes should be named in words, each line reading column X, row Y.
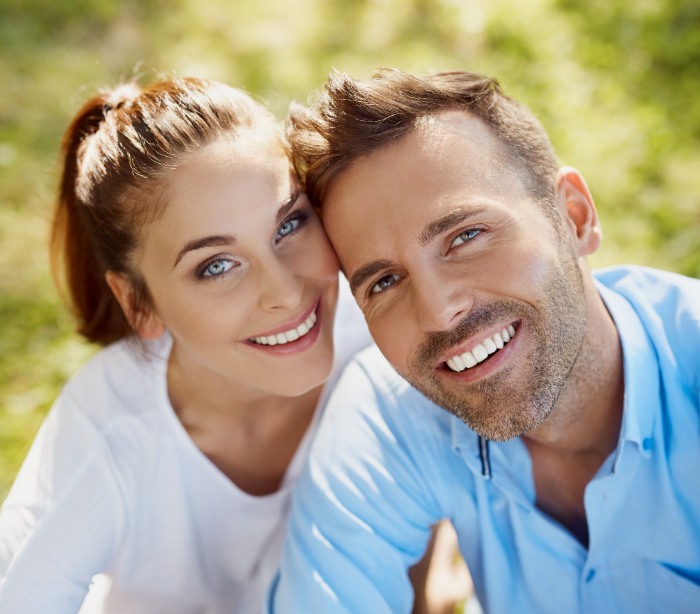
column 146, row 325
column 579, row 211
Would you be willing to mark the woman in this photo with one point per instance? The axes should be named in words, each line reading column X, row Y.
column 160, row 479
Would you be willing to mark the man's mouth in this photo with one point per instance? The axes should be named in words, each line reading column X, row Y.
column 290, row 335
column 481, row 351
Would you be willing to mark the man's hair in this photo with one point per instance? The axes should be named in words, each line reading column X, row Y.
column 354, row 118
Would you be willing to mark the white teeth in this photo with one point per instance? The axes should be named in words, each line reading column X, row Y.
column 459, row 363
column 490, row 346
column 469, row 360
column 290, row 335
column 480, row 352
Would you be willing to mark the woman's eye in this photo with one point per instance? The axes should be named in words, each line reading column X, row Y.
column 464, row 237
column 384, row 283
column 217, row 267
column 287, row 228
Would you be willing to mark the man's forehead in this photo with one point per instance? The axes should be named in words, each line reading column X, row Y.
column 430, row 134
column 453, row 122
column 446, row 156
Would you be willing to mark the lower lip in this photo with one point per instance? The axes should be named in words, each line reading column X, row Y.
column 487, row 367
column 293, row 347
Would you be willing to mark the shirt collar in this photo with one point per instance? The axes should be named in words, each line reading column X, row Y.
column 640, row 368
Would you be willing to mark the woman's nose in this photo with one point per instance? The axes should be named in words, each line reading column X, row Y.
column 280, row 286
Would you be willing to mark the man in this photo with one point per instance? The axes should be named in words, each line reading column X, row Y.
column 568, row 459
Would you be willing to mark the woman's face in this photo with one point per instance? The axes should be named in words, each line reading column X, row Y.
column 240, row 270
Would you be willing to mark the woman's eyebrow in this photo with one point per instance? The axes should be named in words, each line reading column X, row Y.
column 287, row 206
column 221, row 240
column 211, row 241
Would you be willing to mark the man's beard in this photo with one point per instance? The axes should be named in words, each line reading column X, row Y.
column 503, row 405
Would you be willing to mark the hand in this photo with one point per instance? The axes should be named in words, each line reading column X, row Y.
column 441, row 580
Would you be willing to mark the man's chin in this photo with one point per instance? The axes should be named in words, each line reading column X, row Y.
column 499, row 417
column 504, row 428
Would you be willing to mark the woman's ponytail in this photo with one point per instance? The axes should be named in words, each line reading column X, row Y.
column 77, row 269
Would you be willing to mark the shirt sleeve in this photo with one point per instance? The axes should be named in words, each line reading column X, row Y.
column 362, row 510
column 60, row 524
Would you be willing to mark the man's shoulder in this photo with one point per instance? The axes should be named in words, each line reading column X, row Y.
column 372, row 367
column 370, row 390
column 660, row 298
column 668, row 306
column 653, row 286
column 371, row 370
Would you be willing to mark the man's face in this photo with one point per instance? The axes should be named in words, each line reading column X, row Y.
column 470, row 291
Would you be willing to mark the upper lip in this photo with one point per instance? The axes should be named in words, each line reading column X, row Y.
column 467, row 345
column 291, row 324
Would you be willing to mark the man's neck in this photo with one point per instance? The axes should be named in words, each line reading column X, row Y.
column 569, row 447
column 588, row 413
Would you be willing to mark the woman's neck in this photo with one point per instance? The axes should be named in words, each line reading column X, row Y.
column 249, row 434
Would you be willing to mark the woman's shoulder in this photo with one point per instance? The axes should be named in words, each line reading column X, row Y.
column 124, row 378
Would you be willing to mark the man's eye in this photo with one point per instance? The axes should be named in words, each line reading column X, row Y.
column 384, row 283
column 216, row 268
column 464, row 237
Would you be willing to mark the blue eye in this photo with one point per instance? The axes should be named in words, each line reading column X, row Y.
column 384, row 284
column 216, row 267
column 290, row 226
column 287, row 228
column 465, row 237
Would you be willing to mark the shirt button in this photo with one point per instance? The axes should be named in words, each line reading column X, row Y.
column 590, row 575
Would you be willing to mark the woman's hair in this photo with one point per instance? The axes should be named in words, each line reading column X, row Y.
column 353, row 118
column 117, row 154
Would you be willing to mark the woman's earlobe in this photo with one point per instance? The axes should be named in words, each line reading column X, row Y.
column 145, row 325
column 579, row 209
column 149, row 326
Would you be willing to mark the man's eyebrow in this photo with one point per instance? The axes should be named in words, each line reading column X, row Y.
column 287, row 206
column 212, row 241
column 448, row 221
column 362, row 274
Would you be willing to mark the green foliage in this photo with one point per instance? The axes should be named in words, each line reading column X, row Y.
column 615, row 83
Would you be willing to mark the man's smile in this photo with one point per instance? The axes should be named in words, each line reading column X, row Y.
column 481, row 351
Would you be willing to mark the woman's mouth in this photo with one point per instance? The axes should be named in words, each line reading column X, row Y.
column 290, row 335
column 481, row 351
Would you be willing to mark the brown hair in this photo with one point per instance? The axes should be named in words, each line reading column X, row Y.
column 353, row 118
column 117, row 152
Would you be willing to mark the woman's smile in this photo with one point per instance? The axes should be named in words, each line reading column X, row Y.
column 291, row 337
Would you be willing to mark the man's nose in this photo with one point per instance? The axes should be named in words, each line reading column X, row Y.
column 439, row 302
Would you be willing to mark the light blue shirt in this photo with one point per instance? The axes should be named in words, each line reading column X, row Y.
column 387, row 464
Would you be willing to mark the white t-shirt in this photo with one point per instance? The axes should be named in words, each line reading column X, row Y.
column 115, row 496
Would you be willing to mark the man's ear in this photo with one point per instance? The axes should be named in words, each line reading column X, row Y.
column 146, row 325
column 580, row 215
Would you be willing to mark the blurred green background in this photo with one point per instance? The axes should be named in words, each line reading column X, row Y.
column 616, row 83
